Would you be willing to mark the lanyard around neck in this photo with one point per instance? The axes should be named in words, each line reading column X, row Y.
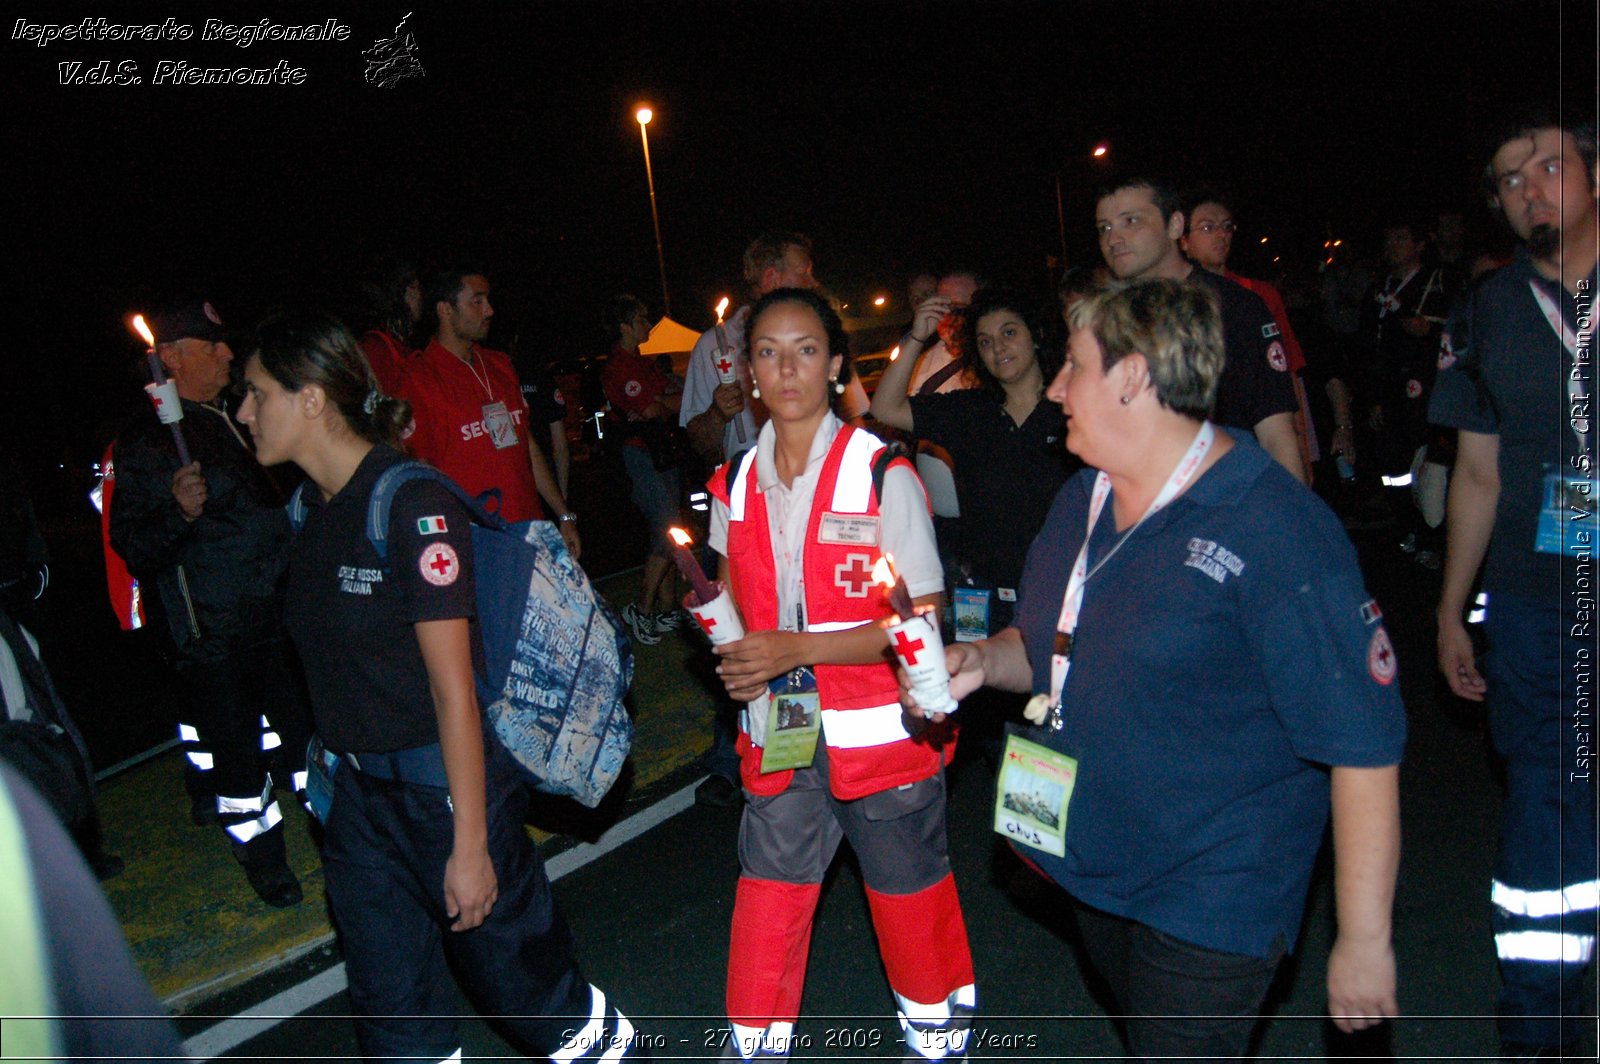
column 1580, row 347
column 1072, row 601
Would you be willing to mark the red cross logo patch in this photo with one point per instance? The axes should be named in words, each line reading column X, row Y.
column 724, row 365
column 439, row 564
column 854, row 575
column 707, row 622
column 1380, row 657
column 1413, row 389
column 1277, row 358
column 632, row 389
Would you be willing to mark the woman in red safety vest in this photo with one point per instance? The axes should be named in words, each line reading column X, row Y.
column 799, row 521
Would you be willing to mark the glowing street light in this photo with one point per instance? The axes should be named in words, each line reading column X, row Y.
column 643, row 116
column 880, row 301
column 1100, row 151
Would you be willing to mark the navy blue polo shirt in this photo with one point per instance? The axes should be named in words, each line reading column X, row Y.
column 1225, row 654
column 352, row 615
column 1502, row 372
column 1255, row 383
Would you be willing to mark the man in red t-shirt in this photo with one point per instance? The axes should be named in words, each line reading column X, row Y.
column 470, row 418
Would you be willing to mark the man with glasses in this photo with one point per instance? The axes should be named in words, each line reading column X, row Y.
column 1208, row 243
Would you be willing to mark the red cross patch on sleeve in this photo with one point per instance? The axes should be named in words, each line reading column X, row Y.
column 439, row 564
column 1380, row 657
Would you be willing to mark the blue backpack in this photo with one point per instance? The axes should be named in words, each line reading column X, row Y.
column 558, row 661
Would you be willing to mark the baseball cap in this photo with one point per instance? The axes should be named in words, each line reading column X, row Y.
column 185, row 319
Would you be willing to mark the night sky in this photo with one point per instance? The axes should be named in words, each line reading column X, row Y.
column 896, row 134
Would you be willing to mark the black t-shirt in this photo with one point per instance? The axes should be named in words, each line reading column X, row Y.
column 1006, row 474
column 351, row 615
column 546, row 404
column 1255, row 381
column 1503, row 372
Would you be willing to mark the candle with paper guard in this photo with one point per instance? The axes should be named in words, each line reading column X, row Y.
column 704, row 590
column 162, row 392
column 884, row 575
column 724, row 362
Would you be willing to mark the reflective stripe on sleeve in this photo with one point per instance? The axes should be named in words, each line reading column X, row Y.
column 200, row 760
column 251, row 828
column 188, row 733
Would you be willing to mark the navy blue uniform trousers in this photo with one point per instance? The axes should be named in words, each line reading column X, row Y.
column 384, row 855
column 1544, row 889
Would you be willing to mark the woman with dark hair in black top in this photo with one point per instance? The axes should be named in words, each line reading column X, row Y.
column 1005, row 439
column 425, row 844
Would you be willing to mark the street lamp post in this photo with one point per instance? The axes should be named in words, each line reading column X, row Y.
column 1099, row 154
column 643, row 116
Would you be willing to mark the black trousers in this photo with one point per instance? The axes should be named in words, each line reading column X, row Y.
column 1180, row 1000
column 228, row 699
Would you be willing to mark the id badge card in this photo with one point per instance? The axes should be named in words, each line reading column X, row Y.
column 794, row 720
column 499, row 426
column 1032, row 795
column 1566, row 515
column 321, row 766
column 970, row 607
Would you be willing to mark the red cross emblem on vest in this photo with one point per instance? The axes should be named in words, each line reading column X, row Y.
column 854, row 575
column 908, row 649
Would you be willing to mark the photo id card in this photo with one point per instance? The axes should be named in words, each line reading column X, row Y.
column 970, row 610
column 1566, row 515
column 498, row 424
column 794, row 720
column 1032, row 795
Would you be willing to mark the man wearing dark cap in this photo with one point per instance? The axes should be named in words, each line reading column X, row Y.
column 210, row 536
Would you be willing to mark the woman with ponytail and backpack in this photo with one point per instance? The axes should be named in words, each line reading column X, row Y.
column 425, row 854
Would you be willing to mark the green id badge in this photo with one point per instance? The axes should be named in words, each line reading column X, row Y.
column 794, row 720
column 1031, row 798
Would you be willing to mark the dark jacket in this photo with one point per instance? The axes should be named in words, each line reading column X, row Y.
column 219, row 576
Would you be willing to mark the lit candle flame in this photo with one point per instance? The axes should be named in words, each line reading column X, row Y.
column 722, row 308
column 883, row 572
column 143, row 330
column 679, row 536
column 895, row 353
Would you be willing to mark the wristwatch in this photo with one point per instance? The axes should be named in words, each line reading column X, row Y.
column 566, row 517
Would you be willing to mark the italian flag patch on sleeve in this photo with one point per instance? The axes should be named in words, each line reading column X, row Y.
column 430, row 526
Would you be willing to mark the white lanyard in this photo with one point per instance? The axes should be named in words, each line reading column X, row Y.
column 1581, row 347
column 481, row 378
column 1072, row 601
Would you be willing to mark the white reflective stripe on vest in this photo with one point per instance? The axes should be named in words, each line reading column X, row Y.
column 270, row 740
column 200, row 760
column 852, row 489
column 741, row 486
column 1580, row 897
column 239, row 805
column 589, row 1036
column 1548, row 946
column 835, row 626
column 453, row 1056
column 300, row 779
column 262, row 824
column 874, row 726
column 188, row 733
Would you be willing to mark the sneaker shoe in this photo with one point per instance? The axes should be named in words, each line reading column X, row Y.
column 672, row 620
column 274, row 884
column 642, row 624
